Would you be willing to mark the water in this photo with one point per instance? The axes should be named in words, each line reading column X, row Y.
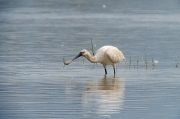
column 35, row 36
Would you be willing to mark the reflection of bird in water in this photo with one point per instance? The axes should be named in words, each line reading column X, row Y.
column 105, row 96
column 106, row 55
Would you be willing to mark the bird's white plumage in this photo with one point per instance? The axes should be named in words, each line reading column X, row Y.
column 109, row 55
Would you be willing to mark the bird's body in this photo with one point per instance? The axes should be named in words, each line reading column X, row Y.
column 106, row 55
column 109, row 55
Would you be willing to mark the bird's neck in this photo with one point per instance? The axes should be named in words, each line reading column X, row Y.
column 91, row 58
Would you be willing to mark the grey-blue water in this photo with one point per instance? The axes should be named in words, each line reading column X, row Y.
column 36, row 35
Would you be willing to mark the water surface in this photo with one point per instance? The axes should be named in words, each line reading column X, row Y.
column 35, row 36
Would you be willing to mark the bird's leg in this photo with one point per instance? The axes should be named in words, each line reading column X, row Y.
column 114, row 72
column 105, row 71
column 114, row 69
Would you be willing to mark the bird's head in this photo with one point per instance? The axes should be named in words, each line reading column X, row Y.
column 84, row 52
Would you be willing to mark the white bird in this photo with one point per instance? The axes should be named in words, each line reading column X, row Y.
column 106, row 55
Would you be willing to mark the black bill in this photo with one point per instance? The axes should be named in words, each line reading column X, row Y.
column 79, row 55
column 68, row 62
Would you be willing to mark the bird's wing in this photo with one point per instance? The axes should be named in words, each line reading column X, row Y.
column 114, row 54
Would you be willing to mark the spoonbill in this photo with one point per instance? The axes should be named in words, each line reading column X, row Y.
column 106, row 55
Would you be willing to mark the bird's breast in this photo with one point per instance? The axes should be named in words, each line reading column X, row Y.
column 104, row 60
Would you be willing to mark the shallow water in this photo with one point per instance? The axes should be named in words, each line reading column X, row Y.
column 35, row 36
